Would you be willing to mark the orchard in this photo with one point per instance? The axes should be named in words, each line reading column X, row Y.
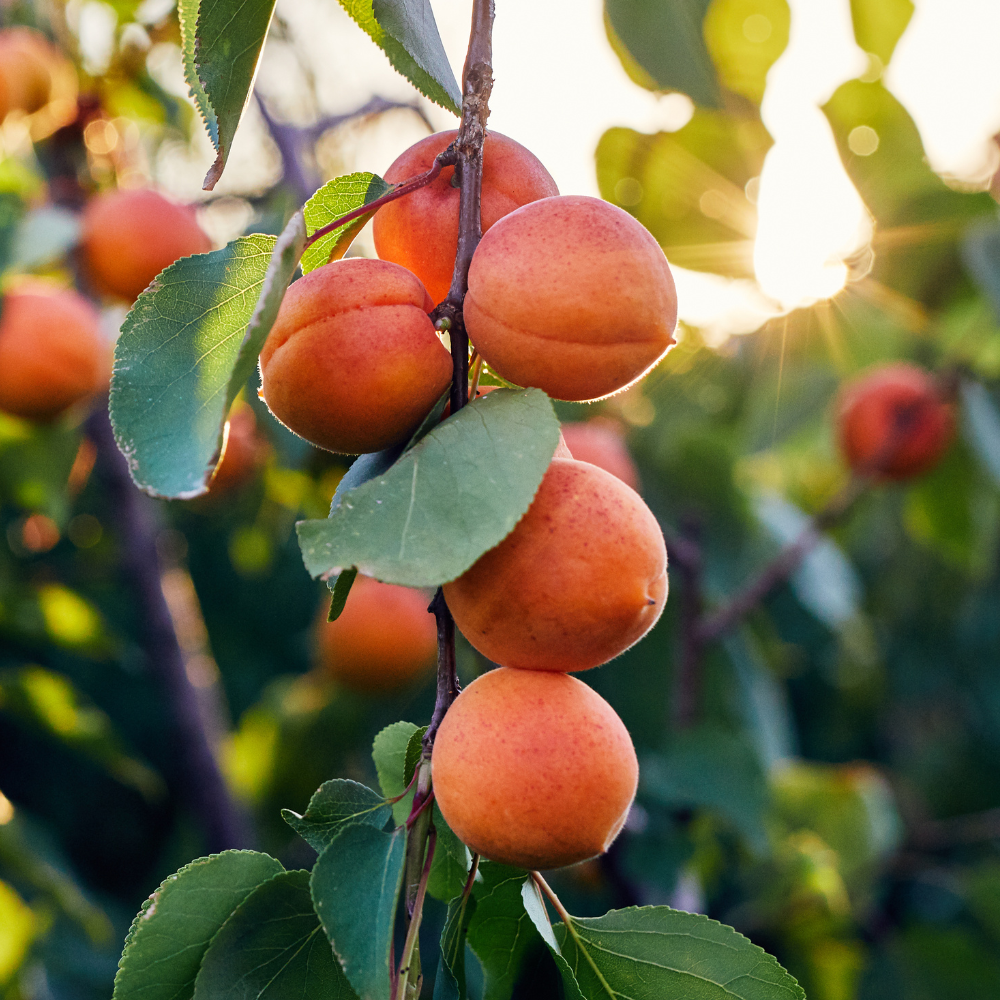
column 456, row 545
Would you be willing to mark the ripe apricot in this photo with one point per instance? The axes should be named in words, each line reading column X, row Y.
column 244, row 452
column 352, row 362
column 385, row 637
column 582, row 576
column 130, row 236
column 52, row 352
column 28, row 62
column 601, row 442
column 571, row 295
column 534, row 769
column 420, row 231
column 894, row 422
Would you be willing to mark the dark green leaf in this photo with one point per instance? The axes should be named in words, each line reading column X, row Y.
column 414, row 749
column 187, row 15
column 175, row 362
column 878, row 24
column 744, row 38
column 501, row 933
column 335, row 803
column 450, row 867
column 420, row 43
column 655, row 953
column 340, row 588
column 470, row 480
column 711, row 768
column 169, row 937
column 355, row 885
column 666, row 40
column 389, row 754
column 668, row 179
column 449, row 983
column 229, row 37
column 331, row 201
column 273, row 946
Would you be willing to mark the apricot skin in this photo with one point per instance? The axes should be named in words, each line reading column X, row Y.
column 384, row 638
column 130, row 236
column 534, row 769
column 420, row 231
column 52, row 353
column 571, row 295
column 871, row 439
column 601, row 442
column 352, row 362
column 582, row 576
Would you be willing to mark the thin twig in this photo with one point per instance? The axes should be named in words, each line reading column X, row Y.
column 410, row 953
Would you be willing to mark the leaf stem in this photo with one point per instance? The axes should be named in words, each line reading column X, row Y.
column 411, row 955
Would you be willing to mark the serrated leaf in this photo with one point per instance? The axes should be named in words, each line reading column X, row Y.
column 176, row 362
column 224, row 53
column 169, row 937
column 655, row 953
column 879, row 24
column 500, row 932
column 334, row 804
column 331, row 201
column 469, row 480
column 745, row 38
column 355, row 885
column 273, row 946
column 437, row 84
column 666, row 40
column 414, row 750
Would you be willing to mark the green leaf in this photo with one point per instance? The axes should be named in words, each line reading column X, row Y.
column 35, row 463
column 49, row 702
column 450, row 983
column 334, row 804
column 272, row 945
column 331, row 201
column 414, row 750
column 919, row 219
column 355, row 885
column 177, row 360
column 470, row 481
column 879, row 24
column 744, row 38
column 501, row 933
column 340, row 589
column 419, row 42
column 665, row 39
column 170, row 935
column 389, row 754
column 668, row 180
column 452, row 860
column 655, row 953
column 711, row 768
column 222, row 42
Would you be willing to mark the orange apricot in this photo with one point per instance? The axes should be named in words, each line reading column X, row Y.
column 130, row 236
column 894, row 422
column 571, row 295
column 420, row 231
column 28, row 62
column 244, row 452
column 352, row 362
column 534, row 769
column 601, row 442
column 385, row 637
column 582, row 576
column 52, row 352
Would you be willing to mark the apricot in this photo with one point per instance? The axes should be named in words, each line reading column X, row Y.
column 352, row 362
column 28, row 63
column 244, row 452
column 52, row 352
column 601, row 442
column 582, row 576
column 420, row 231
column 384, row 638
column 130, row 236
column 534, row 769
column 571, row 295
column 894, row 422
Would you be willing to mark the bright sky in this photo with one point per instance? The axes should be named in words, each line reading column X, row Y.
column 559, row 87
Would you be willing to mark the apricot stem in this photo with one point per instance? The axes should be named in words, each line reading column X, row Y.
column 410, row 959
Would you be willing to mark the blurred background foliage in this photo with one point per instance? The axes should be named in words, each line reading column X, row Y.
column 837, row 798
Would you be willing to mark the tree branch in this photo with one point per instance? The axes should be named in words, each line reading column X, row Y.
column 202, row 785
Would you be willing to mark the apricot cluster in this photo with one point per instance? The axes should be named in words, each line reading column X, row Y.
column 567, row 294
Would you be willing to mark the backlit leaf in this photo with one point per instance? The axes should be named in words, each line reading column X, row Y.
column 334, row 804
